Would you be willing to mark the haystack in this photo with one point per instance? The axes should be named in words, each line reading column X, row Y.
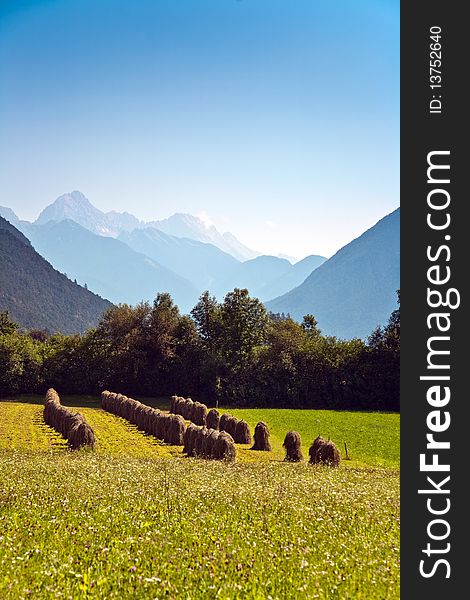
column 175, row 430
column 188, row 439
column 242, row 433
column 326, row 453
column 212, row 419
column 223, row 421
column 292, row 444
column 208, row 442
column 231, row 425
column 317, row 443
column 198, row 413
column 81, row 434
column 261, row 437
column 224, row 447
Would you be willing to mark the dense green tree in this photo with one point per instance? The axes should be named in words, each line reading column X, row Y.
column 20, row 364
column 231, row 351
column 6, row 324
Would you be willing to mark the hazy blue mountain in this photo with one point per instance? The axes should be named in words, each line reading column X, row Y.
column 208, row 268
column 254, row 274
column 292, row 278
column 108, row 266
column 202, row 264
column 355, row 290
column 236, row 248
column 189, row 226
column 9, row 215
column 267, row 276
column 36, row 295
column 76, row 207
column 288, row 257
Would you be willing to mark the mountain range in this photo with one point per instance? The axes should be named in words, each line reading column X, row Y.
column 127, row 260
column 76, row 207
column 38, row 296
column 108, row 266
column 355, row 290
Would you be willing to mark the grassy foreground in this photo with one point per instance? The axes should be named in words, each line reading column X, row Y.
column 135, row 519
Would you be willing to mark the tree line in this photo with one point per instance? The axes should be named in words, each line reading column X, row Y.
column 232, row 352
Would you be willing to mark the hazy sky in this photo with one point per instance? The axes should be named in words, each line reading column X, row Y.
column 278, row 120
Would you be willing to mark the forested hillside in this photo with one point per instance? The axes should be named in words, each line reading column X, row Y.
column 38, row 296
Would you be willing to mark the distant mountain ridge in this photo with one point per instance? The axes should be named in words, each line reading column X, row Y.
column 76, row 207
column 107, row 265
column 201, row 263
column 126, row 260
column 38, row 296
column 355, row 290
column 9, row 215
column 188, row 226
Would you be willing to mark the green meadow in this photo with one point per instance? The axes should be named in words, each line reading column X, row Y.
column 135, row 518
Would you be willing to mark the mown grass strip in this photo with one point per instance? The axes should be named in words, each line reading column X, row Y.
column 22, row 427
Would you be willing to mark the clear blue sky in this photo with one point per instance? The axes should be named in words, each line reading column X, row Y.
column 277, row 119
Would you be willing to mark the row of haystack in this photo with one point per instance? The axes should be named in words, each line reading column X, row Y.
column 202, row 442
column 189, row 410
column 169, row 428
column 200, row 415
column 237, row 428
column 320, row 452
column 72, row 425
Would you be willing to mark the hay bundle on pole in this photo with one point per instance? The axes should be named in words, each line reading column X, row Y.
column 179, row 405
column 192, row 439
column 81, row 434
column 231, row 425
column 242, row 433
column 153, row 422
column 106, row 400
column 292, row 444
column 198, row 413
column 223, row 421
column 188, row 439
column 261, row 436
column 224, row 447
column 187, row 408
column 73, row 426
column 324, row 452
column 159, row 426
column 212, row 419
column 202, row 433
column 175, row 430
column 208, row 442
column 317, row 443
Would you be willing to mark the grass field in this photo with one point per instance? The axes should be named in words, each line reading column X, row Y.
column 136, row 519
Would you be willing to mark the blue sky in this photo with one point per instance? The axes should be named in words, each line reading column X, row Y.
column 277, row 120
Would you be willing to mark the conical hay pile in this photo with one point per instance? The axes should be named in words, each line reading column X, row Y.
column 292, row 444
column 242, row 433
column 317, row 443
column 212, row 419
column 224, row 447
column 325, row 452
column 261, row 436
